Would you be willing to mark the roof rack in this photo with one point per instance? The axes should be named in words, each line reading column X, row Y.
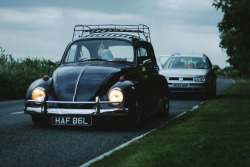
column 140, row 29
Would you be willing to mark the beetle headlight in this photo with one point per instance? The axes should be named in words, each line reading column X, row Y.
column 38, row 94
column 115, row 95
column 200, row 79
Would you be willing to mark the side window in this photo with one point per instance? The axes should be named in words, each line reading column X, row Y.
column 144, row 57
column 84, row 53
column 143, row 54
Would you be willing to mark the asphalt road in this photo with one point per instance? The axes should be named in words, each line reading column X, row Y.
column 23, row 144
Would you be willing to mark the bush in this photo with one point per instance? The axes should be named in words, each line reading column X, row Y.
column 17, row 75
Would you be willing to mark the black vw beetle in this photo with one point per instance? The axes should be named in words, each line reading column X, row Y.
column 106, row 72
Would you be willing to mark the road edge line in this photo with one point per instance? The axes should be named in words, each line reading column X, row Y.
column 115, row 149
column 14, row 113
column 134, row 139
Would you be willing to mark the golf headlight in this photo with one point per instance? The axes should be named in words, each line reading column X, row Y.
column 38, row 94
column 200, row 79
column 115, row 95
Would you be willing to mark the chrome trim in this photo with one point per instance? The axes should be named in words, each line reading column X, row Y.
column 64, row 111
column 28, row 110
column 77, row 81
column 76, row 102
column 97, row 100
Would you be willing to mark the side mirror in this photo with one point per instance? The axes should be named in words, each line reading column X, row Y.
column 156, row 68
column 215, row 68
column 53, row 63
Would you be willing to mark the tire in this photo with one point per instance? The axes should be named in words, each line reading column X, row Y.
column 165, row 105
column 136, row 117
column 40, row 121
column 166, row 109
column 163, row 93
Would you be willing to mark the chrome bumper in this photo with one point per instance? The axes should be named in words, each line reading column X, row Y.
column 119, row 111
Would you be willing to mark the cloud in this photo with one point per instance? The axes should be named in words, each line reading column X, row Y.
column 192, row 12
column 44, row 28
column 38, row 16
column 49, row 17
column 45, row 32
column 99, row 17
column 184, row 5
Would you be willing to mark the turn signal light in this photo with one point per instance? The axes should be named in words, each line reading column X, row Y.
column 45, row 77
column 122, row 79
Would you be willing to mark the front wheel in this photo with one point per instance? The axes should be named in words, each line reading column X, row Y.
column 136, row 115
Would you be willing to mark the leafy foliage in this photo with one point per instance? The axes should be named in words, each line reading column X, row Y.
column 17, row 75
column 234, row 32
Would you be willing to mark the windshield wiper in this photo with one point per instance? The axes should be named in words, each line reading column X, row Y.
column 121, row 61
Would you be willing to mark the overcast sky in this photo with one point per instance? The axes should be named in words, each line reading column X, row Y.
column 43, row 28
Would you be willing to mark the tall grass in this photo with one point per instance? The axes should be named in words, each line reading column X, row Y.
column 17, row 75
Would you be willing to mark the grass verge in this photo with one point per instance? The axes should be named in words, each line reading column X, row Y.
column 216, row 134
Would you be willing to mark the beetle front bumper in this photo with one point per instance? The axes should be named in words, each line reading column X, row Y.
column 43, row 108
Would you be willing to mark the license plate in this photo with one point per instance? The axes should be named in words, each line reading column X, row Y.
column 180, row 85
column 71, row 120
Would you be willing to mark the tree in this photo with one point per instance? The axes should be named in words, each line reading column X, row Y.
column 234, row 32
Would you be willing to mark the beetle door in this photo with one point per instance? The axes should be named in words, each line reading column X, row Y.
column 148, row 78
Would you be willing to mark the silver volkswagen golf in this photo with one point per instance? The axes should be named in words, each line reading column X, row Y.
column 190, row 73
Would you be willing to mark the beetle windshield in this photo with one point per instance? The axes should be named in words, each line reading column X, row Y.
column 186, row 63
column 95, row 50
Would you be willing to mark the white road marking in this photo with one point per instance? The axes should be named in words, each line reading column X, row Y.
column 14, row 113
column 115, row 149
column 134, row 139
column 179, row 115
column 194, row 108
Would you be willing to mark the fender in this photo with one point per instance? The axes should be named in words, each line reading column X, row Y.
column 130, row 90
column 47, row 85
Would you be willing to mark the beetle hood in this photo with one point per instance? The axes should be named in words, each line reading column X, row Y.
column 84, row 81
